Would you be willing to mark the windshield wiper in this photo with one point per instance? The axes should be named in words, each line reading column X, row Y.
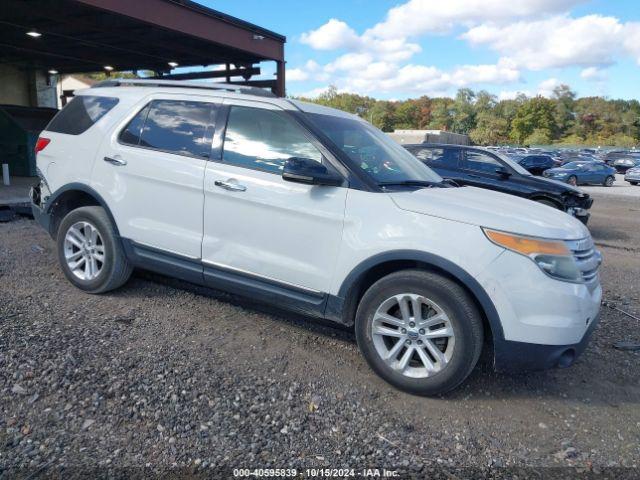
column 412, row 183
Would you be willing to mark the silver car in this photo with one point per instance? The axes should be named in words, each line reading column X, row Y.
column 633, row 176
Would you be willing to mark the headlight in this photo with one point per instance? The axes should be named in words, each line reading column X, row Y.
column 552, row 256
column 559, row 174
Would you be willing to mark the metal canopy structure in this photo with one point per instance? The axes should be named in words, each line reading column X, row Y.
column 79, row 36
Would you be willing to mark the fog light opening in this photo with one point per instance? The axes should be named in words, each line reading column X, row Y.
column 566, row 358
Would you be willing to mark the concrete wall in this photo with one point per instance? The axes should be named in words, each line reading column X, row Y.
column 14, row 86
column 47, row 95
column 26, row 88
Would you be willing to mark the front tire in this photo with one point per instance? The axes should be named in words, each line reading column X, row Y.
column 634, row 183
column 419, row 331
column 572, row 180
column 608, row 182
column 89, row 252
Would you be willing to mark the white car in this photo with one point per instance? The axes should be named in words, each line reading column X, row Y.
column 313, row 210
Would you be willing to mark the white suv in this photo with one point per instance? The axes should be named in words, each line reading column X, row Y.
column 313, row 210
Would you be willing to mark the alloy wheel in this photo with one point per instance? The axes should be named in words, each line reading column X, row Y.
column 84, row 250
column 413, row 335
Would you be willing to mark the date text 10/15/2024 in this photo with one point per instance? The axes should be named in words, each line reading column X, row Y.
column 315, row 472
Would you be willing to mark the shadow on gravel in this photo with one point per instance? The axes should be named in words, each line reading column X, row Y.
column 608, row 233
column 312, row 324
column 582, row 382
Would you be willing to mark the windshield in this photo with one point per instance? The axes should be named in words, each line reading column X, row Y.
column 513, row 164
column 373, row 151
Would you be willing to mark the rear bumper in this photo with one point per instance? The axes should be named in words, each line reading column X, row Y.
column 635, row 177
column 515, row 357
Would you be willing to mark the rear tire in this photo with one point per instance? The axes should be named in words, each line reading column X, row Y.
column 89, row 251
column 608, row 182
column 403, row 341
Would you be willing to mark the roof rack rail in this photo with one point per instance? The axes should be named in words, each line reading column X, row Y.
column 229, row 87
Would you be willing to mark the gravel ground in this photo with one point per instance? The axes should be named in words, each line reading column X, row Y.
column 164, row 375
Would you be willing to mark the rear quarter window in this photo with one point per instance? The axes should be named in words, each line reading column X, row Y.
column 80, row 114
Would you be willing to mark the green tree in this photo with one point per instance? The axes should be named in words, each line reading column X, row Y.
column 564, row 99
column 407, row 115
column 441, row 114
column 563, row 119
column 534, row 114
column 540, row 136
column 464, row 115
column 490, row 130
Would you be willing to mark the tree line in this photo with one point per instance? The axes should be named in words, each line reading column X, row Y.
column 562, row 119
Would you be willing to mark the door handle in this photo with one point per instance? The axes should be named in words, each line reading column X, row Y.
column 115, row 161
column 231, row 186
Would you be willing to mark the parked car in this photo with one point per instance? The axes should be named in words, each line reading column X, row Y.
column 633, row 175
column 536, row 164
column 583, row 173
column 625, row 163
column 313, row 210
column 579, row 158
column 477, row 167
column 611, row 157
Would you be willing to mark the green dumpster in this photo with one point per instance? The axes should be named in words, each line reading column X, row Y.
column 19, row 131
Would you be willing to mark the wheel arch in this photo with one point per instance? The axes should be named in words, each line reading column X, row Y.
column 70, row 197
column 542, row 196
column 342, row 308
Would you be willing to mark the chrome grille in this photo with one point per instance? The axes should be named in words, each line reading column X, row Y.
column 587, row 258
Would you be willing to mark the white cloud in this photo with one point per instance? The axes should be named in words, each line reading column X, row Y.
column 559, row 41
column 417, row 17
column 381, row 77
column 547, row 86
column 527, row 34
column 310, row 70
column 545, row 89
column 593, row 74
column 332, row 35
column 632, row 39
column 297, row 75
column 512, row 94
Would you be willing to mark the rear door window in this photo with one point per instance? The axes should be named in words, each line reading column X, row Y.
column 480, row 162
column 80, row 114
column 437, row 157
column 173, row 126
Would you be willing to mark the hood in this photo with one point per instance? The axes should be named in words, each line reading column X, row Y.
column 486, row 208
column 546, row 183
column 566, row 186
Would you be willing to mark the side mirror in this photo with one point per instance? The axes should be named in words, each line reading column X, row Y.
column 503, row 172
column 310, row 172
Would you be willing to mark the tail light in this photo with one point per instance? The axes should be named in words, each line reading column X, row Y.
column 41, row 144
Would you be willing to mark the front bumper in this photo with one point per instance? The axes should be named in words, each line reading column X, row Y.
column 545, row 322
column 580, row 213
column 515, row 357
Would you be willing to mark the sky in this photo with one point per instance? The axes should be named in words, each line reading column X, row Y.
column 405, row 49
